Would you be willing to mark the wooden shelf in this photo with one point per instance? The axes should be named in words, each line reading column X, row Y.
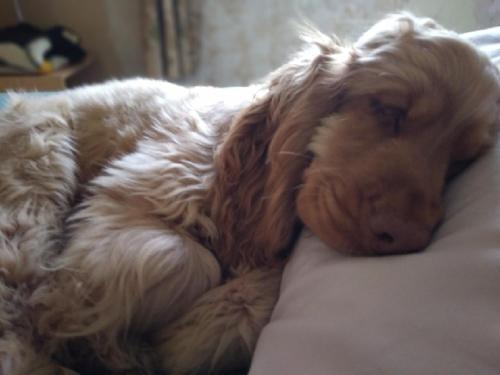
column 54, row 81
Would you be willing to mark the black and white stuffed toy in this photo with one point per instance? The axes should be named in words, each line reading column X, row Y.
column 25, row 48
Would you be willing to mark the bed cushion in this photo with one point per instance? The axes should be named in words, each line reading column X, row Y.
column 436, row 312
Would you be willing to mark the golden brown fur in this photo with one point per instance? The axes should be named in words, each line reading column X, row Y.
column 144, row 224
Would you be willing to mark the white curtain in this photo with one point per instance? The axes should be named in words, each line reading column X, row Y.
column 172, row 37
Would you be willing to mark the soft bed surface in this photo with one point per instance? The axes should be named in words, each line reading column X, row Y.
column 436, row 312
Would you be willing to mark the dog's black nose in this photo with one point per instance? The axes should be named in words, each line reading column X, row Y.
column 392, row 235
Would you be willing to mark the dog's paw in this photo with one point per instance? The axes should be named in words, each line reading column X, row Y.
column 219, row 333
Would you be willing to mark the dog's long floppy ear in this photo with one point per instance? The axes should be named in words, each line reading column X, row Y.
column 260, row 164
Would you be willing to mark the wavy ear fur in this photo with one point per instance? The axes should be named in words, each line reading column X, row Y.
column 260, row 164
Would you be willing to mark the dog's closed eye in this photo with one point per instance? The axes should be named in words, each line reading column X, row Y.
column 389, row 116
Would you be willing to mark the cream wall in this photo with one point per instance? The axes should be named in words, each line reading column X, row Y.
column 7, row 14
column 242, row 40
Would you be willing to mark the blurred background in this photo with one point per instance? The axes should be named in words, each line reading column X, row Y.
column 218, row 42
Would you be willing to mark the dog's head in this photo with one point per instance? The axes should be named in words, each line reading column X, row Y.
column 359, row 141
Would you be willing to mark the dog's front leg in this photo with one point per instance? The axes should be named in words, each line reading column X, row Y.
column 131, row 265
column 219, row 332
column 123, row 273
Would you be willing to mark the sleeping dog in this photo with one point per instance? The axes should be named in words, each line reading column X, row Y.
column 144, row 225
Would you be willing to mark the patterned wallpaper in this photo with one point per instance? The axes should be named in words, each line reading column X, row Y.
column 242, row 40
column 487, row 12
